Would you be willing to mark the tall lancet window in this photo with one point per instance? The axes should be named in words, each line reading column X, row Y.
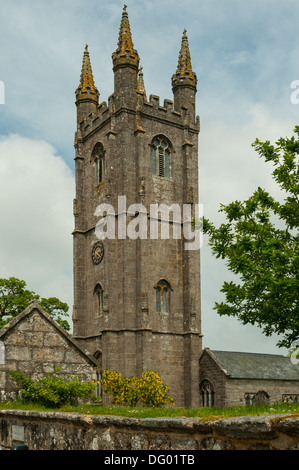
column 163, row 296
column 99, row 298
column 160, row 157
column 99, row 158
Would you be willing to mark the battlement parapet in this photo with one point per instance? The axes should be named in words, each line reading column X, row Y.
column 167, row 111
column 150, row 108
column 93, row 120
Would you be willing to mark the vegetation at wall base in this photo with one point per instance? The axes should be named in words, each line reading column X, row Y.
column 144, row 412
column 52, row 390
column 147, row 390
column 144, row 397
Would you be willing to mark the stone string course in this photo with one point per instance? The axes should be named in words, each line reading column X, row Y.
column 70, row 431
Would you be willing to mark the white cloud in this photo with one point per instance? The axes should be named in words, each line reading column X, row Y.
column 36, row 193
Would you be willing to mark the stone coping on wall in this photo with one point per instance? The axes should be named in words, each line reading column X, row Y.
column 74, row 431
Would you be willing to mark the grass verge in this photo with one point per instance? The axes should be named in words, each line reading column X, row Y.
column 159, row 412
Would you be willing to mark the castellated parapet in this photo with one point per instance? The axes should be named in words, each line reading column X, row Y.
column 152, row 109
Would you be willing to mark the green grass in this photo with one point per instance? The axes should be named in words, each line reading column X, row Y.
column 159, row 412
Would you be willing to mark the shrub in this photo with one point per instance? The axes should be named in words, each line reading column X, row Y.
column 148, row 390
column 53, row 391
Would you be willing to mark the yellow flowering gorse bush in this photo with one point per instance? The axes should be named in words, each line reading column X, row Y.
column 148, row 390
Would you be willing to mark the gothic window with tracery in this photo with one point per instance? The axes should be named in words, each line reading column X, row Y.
column 99, row 157
column 207, row 394
column 163, row 296
column 160, row 157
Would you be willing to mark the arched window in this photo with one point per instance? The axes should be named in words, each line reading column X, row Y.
column 160, row 157
column 99, row 158
column 163, row 296
column 99, row 299
column 207, row 394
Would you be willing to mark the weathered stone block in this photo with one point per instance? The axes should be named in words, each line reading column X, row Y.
column 287, row 425
column 122, row 441
column 242, row 427
column 183, row 443
column 160, row 442
column 211, row 443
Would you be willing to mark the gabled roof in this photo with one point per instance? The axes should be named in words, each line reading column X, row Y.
column 34, row 306
column 243, row 365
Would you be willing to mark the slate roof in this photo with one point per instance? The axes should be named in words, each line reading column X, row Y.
column 244, row 365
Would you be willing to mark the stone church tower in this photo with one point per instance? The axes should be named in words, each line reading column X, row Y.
column 137, row 298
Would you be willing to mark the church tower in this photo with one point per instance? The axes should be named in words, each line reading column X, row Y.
column 136, row 291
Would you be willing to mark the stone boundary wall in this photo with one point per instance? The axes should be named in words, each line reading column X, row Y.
column 71, row 431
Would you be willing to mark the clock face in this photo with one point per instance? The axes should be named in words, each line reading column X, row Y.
column 97, row 252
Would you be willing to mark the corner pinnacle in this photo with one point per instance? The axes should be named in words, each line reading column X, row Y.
column 184, row 63
column 125, row 42
column 125, row 54
column 86, row 73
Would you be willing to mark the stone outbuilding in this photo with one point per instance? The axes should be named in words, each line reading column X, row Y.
column 36, row 344
column 239, row 378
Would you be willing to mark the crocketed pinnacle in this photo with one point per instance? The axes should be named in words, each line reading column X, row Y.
column 184, row 75
column 184, row 63
column 125, row 42
column 125, row 53
column 86, row 74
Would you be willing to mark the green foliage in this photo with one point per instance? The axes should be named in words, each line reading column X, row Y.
column 147, row 390
column 260, row 244
column 142, row 412
column 14, row 298
column 53, row 391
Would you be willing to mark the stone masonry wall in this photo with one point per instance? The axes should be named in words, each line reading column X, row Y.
column 63, row 431
column 237, row 389
column 37, row 348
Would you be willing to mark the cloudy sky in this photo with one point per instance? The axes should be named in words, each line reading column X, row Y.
column 245, row 54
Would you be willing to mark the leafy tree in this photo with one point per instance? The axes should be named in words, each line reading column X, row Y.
column 15, row 297
column 260, row 244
